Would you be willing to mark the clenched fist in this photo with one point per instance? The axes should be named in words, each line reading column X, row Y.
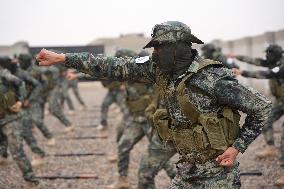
column 48, row 58
column 228, row 158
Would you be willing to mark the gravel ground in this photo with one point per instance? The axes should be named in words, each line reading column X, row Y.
column 93, row 93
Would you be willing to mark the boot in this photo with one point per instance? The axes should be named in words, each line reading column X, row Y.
column 102, row 126
column 122, row 183
column 83, row 108
column 71, row 112
column 50, row 142
column 280, row 181
column 112, row 158
column 269, row 151
column 31, row 184
column 37, row 160
column 69, row 129
column 3, row 160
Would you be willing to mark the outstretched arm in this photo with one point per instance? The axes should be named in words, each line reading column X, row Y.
column 103, row 68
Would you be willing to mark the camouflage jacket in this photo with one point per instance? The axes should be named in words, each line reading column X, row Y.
column 33, row 86
column 7, row 78
column 218, row 87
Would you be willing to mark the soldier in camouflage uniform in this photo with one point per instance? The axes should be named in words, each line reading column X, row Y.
column 275, row 63
column 66, row 96
column 210, row 51
column 37, row 106
column 116, row 95
column 56, row 80
column 12, row 92
column 202, row 101
column 33, row 88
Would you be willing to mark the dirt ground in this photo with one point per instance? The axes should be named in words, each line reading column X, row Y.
column 93, row 93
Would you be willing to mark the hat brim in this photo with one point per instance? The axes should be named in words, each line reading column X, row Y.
column 193, row 39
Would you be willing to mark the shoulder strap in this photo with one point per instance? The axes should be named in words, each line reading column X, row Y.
column 188, row 108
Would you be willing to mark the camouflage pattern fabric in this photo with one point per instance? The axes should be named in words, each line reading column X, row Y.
column 206, row 176
column 26, row 122
column 156, row 158
column 112, row 96
column 73, row 84
column 55, row 107
column 65, row 96
column 33, row 91
column 13, row 135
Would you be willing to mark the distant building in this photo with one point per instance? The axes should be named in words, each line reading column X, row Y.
column 15, row 49
column 134, row 41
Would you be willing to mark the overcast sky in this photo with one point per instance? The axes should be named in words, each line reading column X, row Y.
column 77, row 22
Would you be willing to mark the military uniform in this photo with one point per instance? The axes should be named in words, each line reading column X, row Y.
column 114, row 95
column 201, row 98
column 73, row 84
column 11, row 129
column 276, row 82
column 56, row 80
column 33, row 90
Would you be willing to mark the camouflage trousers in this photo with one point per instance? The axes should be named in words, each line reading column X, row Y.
column 206, row 176
column 11, row 137
column 27, row 121
column 55, row 107
column 157, row 157
column 276, row 113
column 37, row 112
column 74, row 86
column 66, row 97
column 113, row 96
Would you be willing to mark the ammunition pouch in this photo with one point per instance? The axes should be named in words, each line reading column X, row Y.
column 139, row 105
column 7, row 100
column 209, row 137
column 277, row 89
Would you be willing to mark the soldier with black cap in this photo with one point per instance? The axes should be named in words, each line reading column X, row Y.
column 202, row 99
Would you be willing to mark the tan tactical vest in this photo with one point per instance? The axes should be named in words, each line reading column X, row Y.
column 140, row 104
column 208, row 136
column 7, row 99
column 277, row 89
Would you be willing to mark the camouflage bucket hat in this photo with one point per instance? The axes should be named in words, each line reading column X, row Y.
column 171, row 32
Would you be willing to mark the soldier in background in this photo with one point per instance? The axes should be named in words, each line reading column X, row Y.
column 115, row 94
column 12, row 92
column 202, row 100
column 33, row 88
column 274, row 61
column 210, row 51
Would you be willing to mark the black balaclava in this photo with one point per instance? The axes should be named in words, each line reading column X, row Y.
column 6, row 62
column 174, row 59
column 25, row 61
column 273, row 57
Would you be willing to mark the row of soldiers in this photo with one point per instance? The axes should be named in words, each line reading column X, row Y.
column 25, row 89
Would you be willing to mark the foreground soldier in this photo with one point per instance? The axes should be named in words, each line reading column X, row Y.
column 201, row 97
column 275, row 62
column 11, row 99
